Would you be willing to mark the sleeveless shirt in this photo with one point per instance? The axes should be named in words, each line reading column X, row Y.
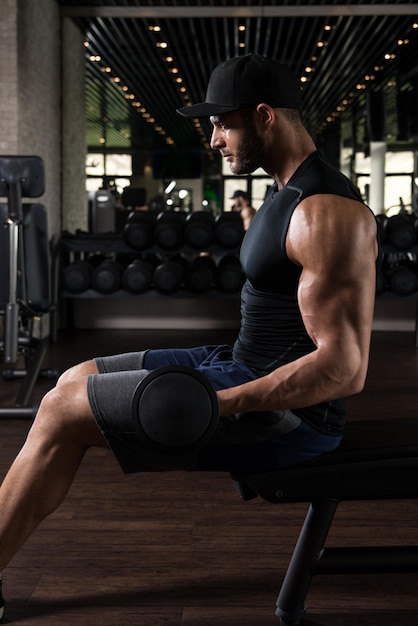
column 272, row 332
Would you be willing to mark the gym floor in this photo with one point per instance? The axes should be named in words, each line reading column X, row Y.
column 181, row 549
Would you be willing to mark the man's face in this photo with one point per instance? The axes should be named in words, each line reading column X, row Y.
column 236, row 137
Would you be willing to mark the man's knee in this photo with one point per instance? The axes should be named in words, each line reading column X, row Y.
column 65, row 413
column 81, row 370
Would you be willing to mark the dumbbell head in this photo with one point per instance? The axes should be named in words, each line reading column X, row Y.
column 139, row 229
column 169, row 230
column 229, row 229
column 199, row 229
column 175, row 410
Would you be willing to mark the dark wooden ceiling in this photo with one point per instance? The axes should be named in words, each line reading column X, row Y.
column 146, row 58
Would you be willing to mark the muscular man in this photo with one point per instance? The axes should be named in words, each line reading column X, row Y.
column 243, row 205
column 307, row 306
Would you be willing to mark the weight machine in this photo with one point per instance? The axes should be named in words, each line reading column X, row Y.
column 25, row 283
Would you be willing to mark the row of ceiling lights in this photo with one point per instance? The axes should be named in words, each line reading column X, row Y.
column 129, row 96
column 387, row 57
column 174, row 72
column 178, row 80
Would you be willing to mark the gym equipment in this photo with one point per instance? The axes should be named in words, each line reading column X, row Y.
column 381, row 282
column 229, row 274
column 199, row 229
column 138, row 232
column 381, row 220
column 76, row 276
column 169, row 230
column 229, row 229
column 107, row 276
column 25, row 293
column 134, row 197
column 401, row 231
column 200, row 274
column 403, row 278
column 175, row 410
column 377, row 460
column 168, row 276
column 103, row 212
column 137, row 276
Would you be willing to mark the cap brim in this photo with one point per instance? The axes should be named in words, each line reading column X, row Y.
column 205, row 109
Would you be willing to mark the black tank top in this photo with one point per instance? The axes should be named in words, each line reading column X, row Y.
column 272, row 332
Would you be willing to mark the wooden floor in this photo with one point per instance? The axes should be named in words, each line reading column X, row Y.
column 182, row 549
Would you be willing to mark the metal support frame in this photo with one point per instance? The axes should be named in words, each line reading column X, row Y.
column 20, row 176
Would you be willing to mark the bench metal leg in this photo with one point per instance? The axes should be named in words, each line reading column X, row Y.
column 291, row 601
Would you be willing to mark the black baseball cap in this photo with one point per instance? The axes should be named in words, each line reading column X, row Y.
column 245, row 81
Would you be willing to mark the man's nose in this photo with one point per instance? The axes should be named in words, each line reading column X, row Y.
column 216, row 141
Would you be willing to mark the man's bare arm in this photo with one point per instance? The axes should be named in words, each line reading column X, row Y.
column 334, row 240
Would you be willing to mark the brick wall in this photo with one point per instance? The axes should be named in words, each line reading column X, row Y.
column 42, row 109
column 39, row 95
column 74, row 198
column 8, row 77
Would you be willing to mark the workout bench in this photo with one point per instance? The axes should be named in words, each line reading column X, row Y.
column 377, row 460
column 175, row 410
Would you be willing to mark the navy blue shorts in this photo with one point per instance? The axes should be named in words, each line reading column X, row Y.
column 247, row 442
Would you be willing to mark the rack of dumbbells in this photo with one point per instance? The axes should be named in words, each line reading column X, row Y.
column 169, row 254
column 398, row 277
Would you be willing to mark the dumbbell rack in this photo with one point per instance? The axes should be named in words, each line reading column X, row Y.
column 387, row 294
column 114, row 244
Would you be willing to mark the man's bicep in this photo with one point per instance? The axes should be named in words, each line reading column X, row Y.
column 336, row 301
column 334, row 242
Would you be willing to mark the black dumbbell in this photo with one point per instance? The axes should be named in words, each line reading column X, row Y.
column 76, row 276
column 229, row 274
column 403, row 278
column 169, row 230
column 175, row 410
column 229, row 229
column 137, row 276
column 138, row 232
column 168, row 276
column 401, row 231
column 107, row 277
column 200, row 274
column 199, row 230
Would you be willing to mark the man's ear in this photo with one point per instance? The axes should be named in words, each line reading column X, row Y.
column 266, row 115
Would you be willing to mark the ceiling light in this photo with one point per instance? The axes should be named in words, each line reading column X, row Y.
column 170, row 187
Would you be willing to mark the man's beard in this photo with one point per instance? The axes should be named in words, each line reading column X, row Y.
column 249, row 153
